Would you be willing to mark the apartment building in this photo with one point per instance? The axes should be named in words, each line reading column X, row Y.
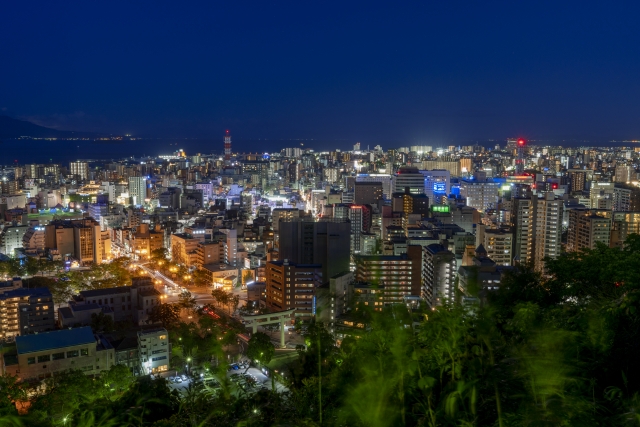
column 291, row 285
column 25, row 311
column 399, row 275
column 587, row 227
column 438, row 274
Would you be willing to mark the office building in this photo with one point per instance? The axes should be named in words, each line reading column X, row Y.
column 387, row 181
column 437, row 183
column 367, row 193
column 137, row 189
column 325, row 243
column 481, row 194
column 409, row 177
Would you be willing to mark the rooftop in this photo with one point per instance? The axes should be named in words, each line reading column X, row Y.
column 55, row 339
column 106, row 291
column 27, row 292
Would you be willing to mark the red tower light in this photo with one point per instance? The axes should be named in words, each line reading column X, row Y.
column 521, row 141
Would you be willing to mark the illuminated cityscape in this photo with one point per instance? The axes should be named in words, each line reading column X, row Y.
column 214, row 215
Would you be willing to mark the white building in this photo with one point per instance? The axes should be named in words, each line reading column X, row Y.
column 480, row 194
column 11, row 238
column 154, row 350
column 138, row 189
column 410, row 177
column 386, row 180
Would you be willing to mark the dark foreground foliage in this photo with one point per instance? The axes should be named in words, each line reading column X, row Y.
column 554, row 350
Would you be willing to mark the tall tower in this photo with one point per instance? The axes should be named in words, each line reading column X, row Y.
column 227, row 146
column 520, row 159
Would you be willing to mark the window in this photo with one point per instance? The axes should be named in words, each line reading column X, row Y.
column 162, row 337
column 73, row 353
column 111, row 300
column 84, row 352
column 31, row 360
column 45, row 307
column 44, row 358
column 57, row 356
column 155, row 359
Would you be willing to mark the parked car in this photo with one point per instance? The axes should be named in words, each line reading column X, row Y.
column 183, row 377
column 178, row 380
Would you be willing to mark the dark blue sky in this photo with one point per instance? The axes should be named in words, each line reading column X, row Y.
column 414, row 71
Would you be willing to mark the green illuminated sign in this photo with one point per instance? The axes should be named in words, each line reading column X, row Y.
column 440, row 208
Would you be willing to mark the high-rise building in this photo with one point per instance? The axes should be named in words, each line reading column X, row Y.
column 227, row 146
column 438, row 274
column 410, row 177
column 626, row 198
column 601, row 195
column 497, row 242
column 323, row 243
column 138, row 189
column 79, row 169
column 11, row 238
column 385, row 179
column 398, row 276
column 26, row 311
column 481, row 194
column 291, row 285
column 91, row 245
column 624, row 223
column 537, row 228
column 624, row 173
column 587, row 227
column 436, row 183
column 578, row 180
column 367, row 193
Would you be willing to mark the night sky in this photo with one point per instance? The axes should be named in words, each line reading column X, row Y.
column 416, row 72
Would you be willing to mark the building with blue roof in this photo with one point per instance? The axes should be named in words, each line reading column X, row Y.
column 41, row 355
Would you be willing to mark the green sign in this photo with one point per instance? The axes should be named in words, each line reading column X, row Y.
column 440, row 208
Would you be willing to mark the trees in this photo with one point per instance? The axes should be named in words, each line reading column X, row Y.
column 247, row 276
column 201, row 278
column 260, row 348
column 10, row 392
column 186, row 301
column 102, row 322
column 168, row 314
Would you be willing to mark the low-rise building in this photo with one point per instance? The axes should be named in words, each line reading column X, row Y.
column 43, row 355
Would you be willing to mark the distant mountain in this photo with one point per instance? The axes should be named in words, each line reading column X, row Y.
column 14, row 128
